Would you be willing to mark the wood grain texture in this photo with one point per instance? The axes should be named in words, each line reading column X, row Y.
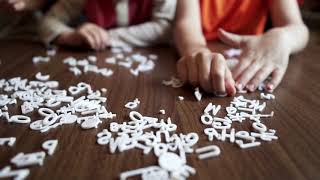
column 296, row 155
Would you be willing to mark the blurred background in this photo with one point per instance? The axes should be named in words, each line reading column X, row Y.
column 22, row 25
column 311, row 13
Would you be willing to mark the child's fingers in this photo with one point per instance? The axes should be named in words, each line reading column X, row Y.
column 204, row 64
column 88, row 38
column 276, row 78
column 95, row 36
column 102, row 44
column 244, row 62
column 192, row 71
column 218, row 74
column 230, row 84
column 182, row 69
column 231, row 39
column 20, row 5
column 248, row 73
column 16, row 5
column 95, row 32
column 260, row 76
column 102, row 38
column 7, row 4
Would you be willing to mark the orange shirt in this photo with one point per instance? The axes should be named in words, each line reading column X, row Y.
column 237, row 16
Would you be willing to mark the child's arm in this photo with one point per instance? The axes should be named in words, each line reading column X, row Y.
column 286, row 16
column 149, row 33
column 187, row 29
column 21, row 5
column 56, row 19
column 54, row 27
column 198, row 65
column 268, row 54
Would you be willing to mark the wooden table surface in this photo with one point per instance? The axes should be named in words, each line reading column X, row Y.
column 296, row 155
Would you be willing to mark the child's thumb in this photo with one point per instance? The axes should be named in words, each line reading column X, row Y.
column 231, row 39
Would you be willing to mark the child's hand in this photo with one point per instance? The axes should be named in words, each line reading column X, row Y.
column 13, row 5
column 207, row 69
column 20, row 5
column 262, row 56
column 87, row 34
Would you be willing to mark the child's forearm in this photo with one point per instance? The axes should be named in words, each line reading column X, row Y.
column 142, row 35
column 155, row 31
column 287, row 20
column 188, row 40
column 50, row 29
column 56, row 19
column 296, row 36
